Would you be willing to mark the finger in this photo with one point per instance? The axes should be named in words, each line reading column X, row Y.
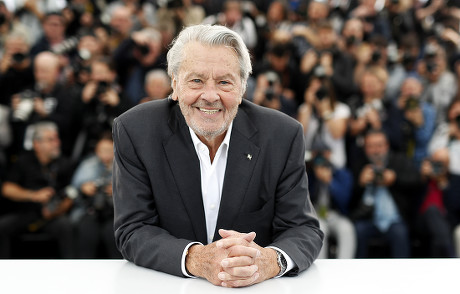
column 237, row 261
column 227, row 243
column 238, row 273
column 241, row 283
column 234, row 234
column 227, row 233
column 239, row 250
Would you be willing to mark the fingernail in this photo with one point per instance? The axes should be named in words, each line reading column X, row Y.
column 224, row 263
column 256, row 276
column 221, row 276
column 258, row 253
column 224, row 284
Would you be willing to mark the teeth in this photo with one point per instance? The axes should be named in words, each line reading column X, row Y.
column 207, row 111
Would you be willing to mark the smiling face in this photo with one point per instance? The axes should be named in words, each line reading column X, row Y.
column 208, row 88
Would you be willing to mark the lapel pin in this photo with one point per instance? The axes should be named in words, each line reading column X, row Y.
column 249, row 156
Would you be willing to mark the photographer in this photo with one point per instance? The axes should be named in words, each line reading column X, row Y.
column 54, row 27
column 441, row 86
column 36, row 187
column 415, row 120
column 270, row 93
column 432, row 223
column 15, row 67
column 93, row 210
column 102, row 100
column 279, row 58
column 324, row 119
column 369, row 111
column 48, row 99
column 135, row 57
column 447, row 136
column 331, row 189
column 337, row 65
column 384, row 196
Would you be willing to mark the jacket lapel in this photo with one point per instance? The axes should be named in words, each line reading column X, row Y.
column 185, row 166
column 242, row 158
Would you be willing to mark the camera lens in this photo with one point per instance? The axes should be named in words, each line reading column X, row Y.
column 19, row 57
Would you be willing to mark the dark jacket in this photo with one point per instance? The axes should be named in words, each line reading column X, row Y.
column 157, row 186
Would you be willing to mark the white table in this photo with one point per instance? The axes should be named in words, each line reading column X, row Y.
column 389, row 276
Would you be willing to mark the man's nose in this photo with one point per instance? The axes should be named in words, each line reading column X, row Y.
column 210, row 92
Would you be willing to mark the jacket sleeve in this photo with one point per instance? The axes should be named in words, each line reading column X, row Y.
column 295, row 225
column 138, row 234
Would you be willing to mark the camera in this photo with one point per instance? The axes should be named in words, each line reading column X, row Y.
column 102, row 87
column 376, row 56
column 321, row 93
column 350, row 40
column 431, row 66
column 411, row 103
column 2, row 19
column 378, row 175
column 321, row 160
column 319, row 72
column 25, row 106
column 18, row 57
column 272, row 78
column 457, row 121
column 68, row 192
column 66, row 46
column 100, row 200
column 143, row 49
column 437, row 168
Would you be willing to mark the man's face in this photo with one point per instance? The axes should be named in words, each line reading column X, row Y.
column 54, row 27
column 46, row 71
column 371, row 85
column 327, row 38
column 100, row 72
column 49, row 145
column 104, row 150
column 376, row 147
column 208, row 88
column 157, row 88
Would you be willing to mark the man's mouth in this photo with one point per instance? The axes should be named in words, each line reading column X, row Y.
column 209, row 111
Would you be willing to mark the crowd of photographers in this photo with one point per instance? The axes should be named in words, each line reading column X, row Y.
column 373, row 82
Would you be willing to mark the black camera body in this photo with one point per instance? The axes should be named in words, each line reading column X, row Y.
column 412, row 103
column 143, row 49
column 378, row 175
column 321, row 160
column 437, row 168
column 321, row 93
column 100, row 199
column 457, row 121
column 272, row 78
column 102, row 87
column 19, row 57
column 431, row 66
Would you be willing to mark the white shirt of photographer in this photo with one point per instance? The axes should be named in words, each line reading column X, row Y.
column 212, row 180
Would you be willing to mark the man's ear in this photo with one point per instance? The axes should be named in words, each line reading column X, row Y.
column 174, row 88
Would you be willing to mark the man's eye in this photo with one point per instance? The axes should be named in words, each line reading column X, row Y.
column 196, row 80
column 224, row 83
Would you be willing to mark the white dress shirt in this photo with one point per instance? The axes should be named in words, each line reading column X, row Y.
column 212, row 178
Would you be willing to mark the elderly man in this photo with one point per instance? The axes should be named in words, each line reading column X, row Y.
column 36, row 186
column 205, row 160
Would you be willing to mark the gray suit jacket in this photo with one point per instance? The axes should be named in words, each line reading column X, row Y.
column 157, row 186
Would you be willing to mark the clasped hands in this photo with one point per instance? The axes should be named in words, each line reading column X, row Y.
column 234, row 261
